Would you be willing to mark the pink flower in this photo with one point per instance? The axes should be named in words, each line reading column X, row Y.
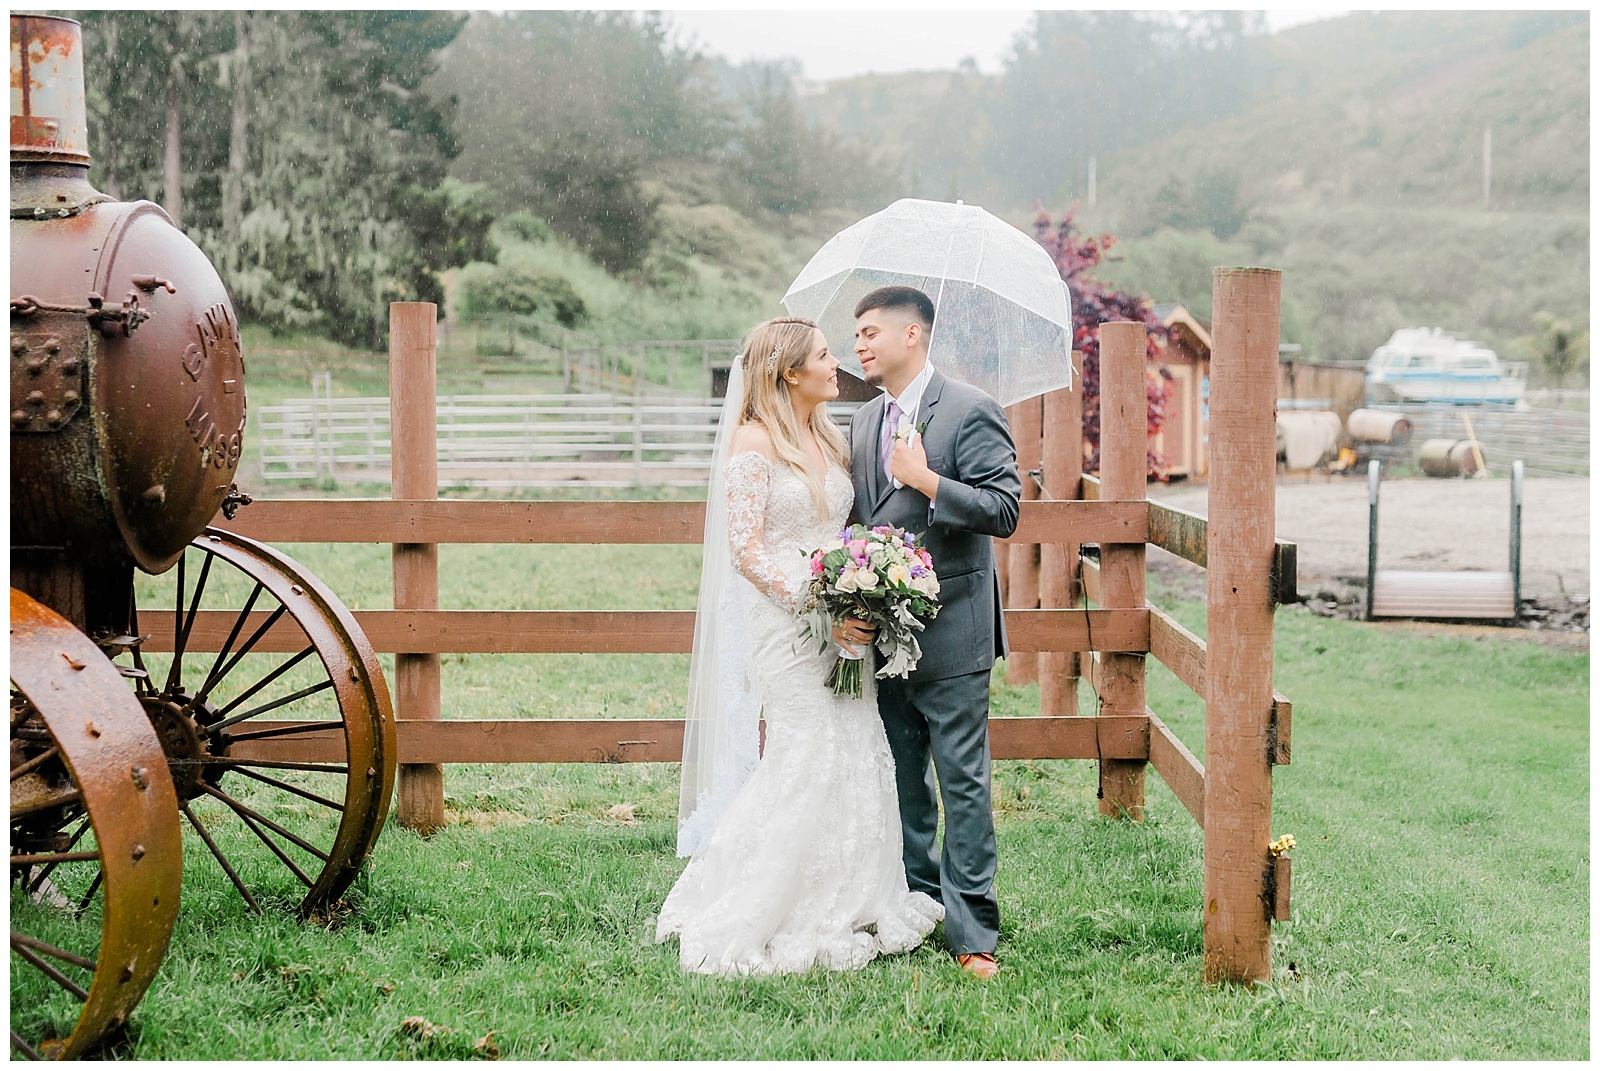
column 857, row 547
column 924, row 557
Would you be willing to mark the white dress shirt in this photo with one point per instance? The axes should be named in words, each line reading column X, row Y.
column 909, row 401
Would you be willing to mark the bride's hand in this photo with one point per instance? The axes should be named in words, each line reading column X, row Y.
column 849, row 632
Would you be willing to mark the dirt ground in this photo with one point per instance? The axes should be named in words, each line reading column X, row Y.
column 1424, row 524
column 1428, row 524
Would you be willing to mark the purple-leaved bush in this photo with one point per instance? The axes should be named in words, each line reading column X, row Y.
column 1095, row 302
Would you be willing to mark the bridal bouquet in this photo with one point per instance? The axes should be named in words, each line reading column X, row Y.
column 877, row 575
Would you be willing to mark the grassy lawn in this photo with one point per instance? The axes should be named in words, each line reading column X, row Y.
column 1439, row 796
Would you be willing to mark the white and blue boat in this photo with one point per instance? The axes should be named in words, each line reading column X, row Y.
column 1426, row 364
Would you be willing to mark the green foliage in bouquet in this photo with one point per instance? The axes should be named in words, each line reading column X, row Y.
column 882, row 576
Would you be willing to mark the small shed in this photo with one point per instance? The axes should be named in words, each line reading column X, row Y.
column 1182, row 439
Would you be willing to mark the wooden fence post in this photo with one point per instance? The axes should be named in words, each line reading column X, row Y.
column 1062, row 461
column 414, row 465
column 1022, row 588
column 1237, row 944
column 1124, row 443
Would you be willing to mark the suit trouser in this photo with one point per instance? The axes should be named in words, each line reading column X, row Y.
column 947, row 722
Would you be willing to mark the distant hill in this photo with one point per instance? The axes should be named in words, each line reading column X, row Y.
column 1356, row 167
column 1391, row 108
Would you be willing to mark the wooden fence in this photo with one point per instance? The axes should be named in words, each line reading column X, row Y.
column 1247, row 724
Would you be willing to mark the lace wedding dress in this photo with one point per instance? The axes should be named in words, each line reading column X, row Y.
column 804, row 867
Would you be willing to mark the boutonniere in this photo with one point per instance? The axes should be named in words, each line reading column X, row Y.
column 904, row 435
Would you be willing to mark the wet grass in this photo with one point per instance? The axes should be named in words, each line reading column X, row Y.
column 1439, row 796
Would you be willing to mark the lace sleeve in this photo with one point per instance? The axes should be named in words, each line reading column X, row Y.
column 749, row 480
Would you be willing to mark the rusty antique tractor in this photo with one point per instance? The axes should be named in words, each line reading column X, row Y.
column 127, row 414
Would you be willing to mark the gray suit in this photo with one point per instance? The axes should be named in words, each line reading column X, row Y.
column 942, row 711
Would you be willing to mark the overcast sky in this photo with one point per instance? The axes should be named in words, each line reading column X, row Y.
column 838, row 44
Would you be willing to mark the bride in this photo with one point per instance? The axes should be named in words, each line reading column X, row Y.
column 795, row 854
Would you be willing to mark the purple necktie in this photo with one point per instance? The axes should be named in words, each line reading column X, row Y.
column 891, row 423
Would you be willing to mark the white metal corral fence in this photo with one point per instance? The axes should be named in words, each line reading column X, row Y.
column 502, row 441
column 1549, row 442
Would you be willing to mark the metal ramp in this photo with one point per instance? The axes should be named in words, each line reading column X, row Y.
column 1474, row 595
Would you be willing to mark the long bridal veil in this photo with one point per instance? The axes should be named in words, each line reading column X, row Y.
column 722, row 717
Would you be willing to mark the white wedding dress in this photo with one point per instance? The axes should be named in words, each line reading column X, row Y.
column 803, row 868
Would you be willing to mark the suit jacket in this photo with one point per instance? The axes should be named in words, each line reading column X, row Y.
column 969, row 445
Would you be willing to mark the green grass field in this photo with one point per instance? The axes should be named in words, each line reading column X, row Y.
column 1439, row 797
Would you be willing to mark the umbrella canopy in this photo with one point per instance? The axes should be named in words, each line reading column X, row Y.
column 1002, row 315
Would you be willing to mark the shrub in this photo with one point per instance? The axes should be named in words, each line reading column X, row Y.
column 490, row 289
column 526, row 227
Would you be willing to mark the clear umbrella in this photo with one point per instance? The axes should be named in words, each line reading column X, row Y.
column 1003, row 316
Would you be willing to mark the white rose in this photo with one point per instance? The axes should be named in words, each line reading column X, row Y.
column 847, row 579
column 866, row 579
column 927, row 584
column 899, row 574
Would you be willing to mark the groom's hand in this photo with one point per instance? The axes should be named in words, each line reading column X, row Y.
column 909, row 464
column 848, row 632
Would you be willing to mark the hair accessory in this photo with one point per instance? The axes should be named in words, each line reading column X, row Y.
column 772, row 362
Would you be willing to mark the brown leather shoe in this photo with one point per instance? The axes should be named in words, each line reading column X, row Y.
column 980, row 965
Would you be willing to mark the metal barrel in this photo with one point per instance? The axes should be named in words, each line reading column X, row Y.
column 1378, row 426
column 1447, row 457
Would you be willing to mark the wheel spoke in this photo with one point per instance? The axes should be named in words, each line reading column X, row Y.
column 285, row 730
column 263, row 764
column 227, row 646
column 255, row 637
column 257, row 686
column 94, row 887
column 270, row 843
column 227, row 868
column 51, row 950
column 50, row 972
column 175, row 674
column 34, row 763
column 53, row 857
column 27, row 1050
column 293, row 697
column 38, row 883
column 177, row 626
column 243, row 811
column 275, row 783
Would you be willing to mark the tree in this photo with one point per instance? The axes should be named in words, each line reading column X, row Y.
column 1211, row 203
column 1557, row 346
column 312, row 161
column 1095, row 302
column 568, row 112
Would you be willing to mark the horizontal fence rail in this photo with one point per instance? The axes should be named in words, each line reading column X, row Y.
column 661, row 740
column 381, row 520
column 607, row 631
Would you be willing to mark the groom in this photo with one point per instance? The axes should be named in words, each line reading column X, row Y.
column 955, row 480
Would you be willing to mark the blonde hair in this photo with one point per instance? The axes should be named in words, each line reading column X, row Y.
column 772, row 349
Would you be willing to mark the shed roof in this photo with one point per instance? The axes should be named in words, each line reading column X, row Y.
column 1195, row 331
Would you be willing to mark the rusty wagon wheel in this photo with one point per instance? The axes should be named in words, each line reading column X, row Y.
column 306, row 793
column 96, row 847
